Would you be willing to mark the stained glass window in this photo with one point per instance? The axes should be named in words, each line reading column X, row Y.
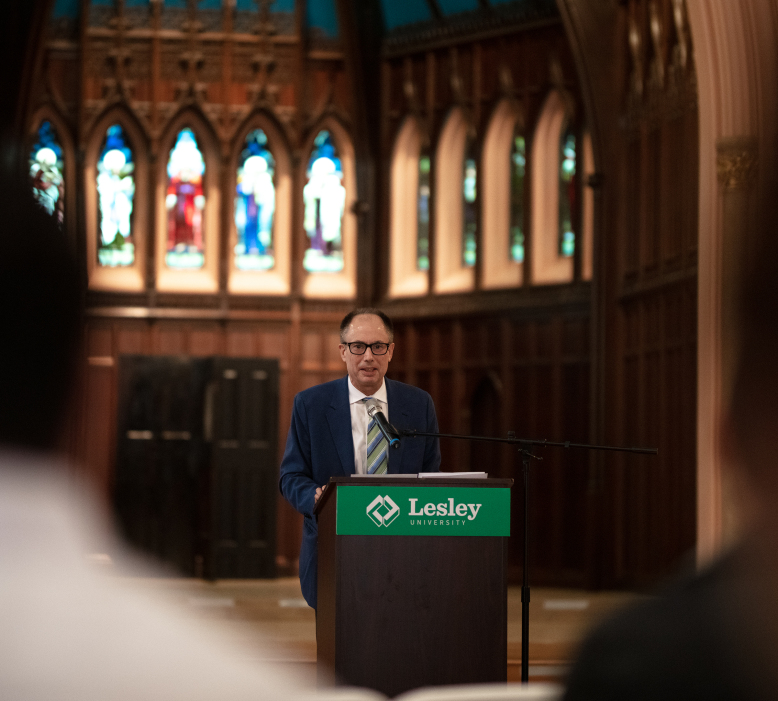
column 185, row 202
column 518, row 170
column 116, row 191
column 255, row 204
column 567, row 192
column 469, row 215
column 325, row 200
column 423, row 212
column 47, row 171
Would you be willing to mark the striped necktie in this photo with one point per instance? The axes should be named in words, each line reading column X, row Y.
column 377, row 448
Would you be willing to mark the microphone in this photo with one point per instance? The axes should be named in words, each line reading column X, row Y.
column 390, row 432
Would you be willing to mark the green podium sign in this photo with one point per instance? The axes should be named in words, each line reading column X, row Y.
column 423, row 510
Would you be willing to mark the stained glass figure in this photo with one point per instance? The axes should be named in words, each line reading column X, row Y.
column 116, row 192
column 518, row 171
column 185, row 202
column 47, row 171
column 567, row 192
column 325, row 200
column 423, row 212
column 469, row 214
column 255, row 204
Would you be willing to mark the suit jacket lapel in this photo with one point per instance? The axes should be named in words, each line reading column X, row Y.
column 339, row 419
column 397, row 416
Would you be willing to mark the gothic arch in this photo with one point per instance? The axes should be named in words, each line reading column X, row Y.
column 205, row 279
column 405, row 279
column 548, row 266
column 498, row 269
column 450, row 274
column 343, row 284
column 276, row 281
column 49, row 113
column 130, row 278
column 587, row 211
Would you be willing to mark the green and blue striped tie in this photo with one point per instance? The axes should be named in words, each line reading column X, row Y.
column 377, row 449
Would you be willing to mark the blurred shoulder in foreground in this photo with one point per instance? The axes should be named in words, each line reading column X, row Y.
column 70, row 630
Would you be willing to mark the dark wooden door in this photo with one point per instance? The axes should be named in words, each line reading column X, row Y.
column 160, row 467
column 242, row 426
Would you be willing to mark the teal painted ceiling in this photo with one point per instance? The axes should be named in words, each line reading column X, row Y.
column 322, row 14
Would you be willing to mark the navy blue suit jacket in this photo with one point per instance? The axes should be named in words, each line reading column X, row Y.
column 320, row 446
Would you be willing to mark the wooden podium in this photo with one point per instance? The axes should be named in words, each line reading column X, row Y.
column 412, row 587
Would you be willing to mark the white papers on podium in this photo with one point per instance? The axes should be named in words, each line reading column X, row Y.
column 386, row 474
column 455, row 475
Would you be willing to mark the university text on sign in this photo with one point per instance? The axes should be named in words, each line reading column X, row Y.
column 387, row 510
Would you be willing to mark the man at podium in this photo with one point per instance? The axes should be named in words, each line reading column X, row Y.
column 332, row 434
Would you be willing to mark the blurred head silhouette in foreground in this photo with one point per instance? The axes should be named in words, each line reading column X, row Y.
column 71, row 629
column 714, row 634
column 40, row 315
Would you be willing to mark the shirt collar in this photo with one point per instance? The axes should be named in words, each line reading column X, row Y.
column 354, row 395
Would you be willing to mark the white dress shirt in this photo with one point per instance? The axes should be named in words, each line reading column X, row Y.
column 360, row 421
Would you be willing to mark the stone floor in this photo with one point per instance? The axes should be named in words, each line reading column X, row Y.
column 271, row 618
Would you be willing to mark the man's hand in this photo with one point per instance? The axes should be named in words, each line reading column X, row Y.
column 319, row 492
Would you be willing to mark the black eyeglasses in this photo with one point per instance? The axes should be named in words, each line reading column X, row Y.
column 359, row 348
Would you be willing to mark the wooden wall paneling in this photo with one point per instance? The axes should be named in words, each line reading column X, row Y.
column 240, row 341
column 99, row 425
column 206, row 339
column 169, row 338
column 131, row 338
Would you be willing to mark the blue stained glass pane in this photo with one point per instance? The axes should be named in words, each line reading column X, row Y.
column 397, row 14
column 518, row 171
column 185, row 202
column 116, row 192
column 325, row 199
column 450, row 7
column 322, row 15
column 209, row 4
column 423, row 212
column 66, row 8
column 175, row 3
column 469, row 214
column 255, row 204
column 568, row 195
column 47, row 171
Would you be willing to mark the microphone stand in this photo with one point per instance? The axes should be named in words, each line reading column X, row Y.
column 524, row 445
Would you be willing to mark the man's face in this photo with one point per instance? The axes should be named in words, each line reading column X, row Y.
column 366, row 371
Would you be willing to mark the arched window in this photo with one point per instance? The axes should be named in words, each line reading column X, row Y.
column 518, row 171
column 568, row 184
column 469, row 194
column 456, row 187
column 587, row 214
column 409, row 213
column 423, row 210
column 255, row 204
column 116, row 194
column 47, row 171
column 116, row 201
column 502, row 198
column 185, row 203
column 325, row 197
column 554, row 203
